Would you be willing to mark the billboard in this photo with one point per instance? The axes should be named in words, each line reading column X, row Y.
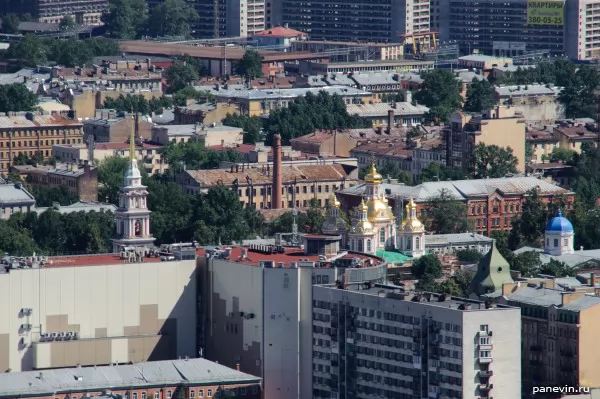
column 545, row 12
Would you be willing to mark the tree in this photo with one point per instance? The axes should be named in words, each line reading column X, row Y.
column 111, row 171
column 562, row 155
column 48, row 196
column 439, row 172
column 446, row 215
column 528, row 229
column 181, row 97
column 126, row 18
column 469, row 255
column 171, row 211
column 67, row 23
column 30, row 50
column 309, row 113
column 11, row 21
column 137, row 103
column 480, row 96
column 578, row 89
column 492, row 161
column 180, row 75
column 528, row 263
column 440, row 91
column 427, row 267
column 556, row 268
column 457, row 285
column 252, row 126
column 251, row 64
column 17, row 97
column 171, row 18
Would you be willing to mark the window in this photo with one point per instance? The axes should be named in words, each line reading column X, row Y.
column 192, row 394
column 368, row 245
column 382, row 235
column 556, row 242
column 209, row 393
column 143, row 395
column 135, row 395
column 483, row 328
column 484, row 354
column 242, row 391
column 156, row 395
column 254, row 389
column 565, row 242
column 417, row 243
column 484, row 341
column 200, row 393
column 169, row 394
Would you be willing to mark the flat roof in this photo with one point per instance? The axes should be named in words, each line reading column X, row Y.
column 427, row 298
column 256, row 94
column 290, row 254
column 146, row 374
column 89, row 260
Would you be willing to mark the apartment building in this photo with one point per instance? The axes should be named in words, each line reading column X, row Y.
column 372, row 51
column 491, row 203
column 95, row 310
column 148, row 155
column 14, row 198
column 378, row 21
column 559, row 327
column 183, row 378
column 583, row 28
column 502, row 126
column 536, row 102
column 255, row 102
column 492, row 25
column 392, row 115
column 31, row 133
column 87, row 12
column 379, row 340
column 256, row 306
column 112, row 129
column 232, row 19
column 204, row 113
column 300, row 183
column 81, row 180
column 542, row 141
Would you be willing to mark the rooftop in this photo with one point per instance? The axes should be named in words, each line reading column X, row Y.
column 376, row 78
column 416, row 63
column 577, row 258
column 98, row 74
column 290, row 173
column 446, row 239
column 258, row 94
column 33, row 119
column 463, row 189
column 287, row 256
column 394, row 148
column 125, row 146
column 548, row 297
column 479, row 58
column 81, row 206
column 426, row 299
column 380, row 109
column 71, row 170
column 14, row 194
column 527, row 90
column 147, row 374
column 279, row 31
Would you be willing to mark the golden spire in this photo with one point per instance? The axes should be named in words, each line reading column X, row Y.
column 333, row 201
column 373, row 176
column 132, row 139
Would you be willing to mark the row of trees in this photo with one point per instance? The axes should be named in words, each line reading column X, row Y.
column 132, row 19
column 138, row 103
column 33, row 51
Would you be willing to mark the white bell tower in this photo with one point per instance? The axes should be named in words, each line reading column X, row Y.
column 133, row 216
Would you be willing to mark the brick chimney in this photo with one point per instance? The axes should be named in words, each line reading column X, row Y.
column 390, row 121
column 277, row 183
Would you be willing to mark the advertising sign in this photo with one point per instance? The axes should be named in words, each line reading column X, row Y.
column 545, row 12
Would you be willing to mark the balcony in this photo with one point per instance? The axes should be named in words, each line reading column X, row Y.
column 485, row 347
column 486, row 387
column 485, row 360
column 485, row 373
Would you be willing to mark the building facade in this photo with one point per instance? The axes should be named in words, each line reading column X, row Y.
column 95, row 310
column 381, row 21
column 490, row 128
column 378, row 341
column 115, row 130
column 14, row 198
column 87, row 12
column 582, row 41
column 30, row 134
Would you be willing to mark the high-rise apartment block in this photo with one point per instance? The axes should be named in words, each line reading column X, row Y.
column 87, row 12
column 356, row 20
column 227, row 18
column 380, row 341
column 504, row 27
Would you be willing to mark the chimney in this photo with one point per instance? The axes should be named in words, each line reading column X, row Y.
column 592, row 279
column 568, row 297
column 277, row 183
column 390, row 121
column 237, row 366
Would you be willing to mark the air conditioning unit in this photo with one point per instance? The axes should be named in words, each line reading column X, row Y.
column 61, row 336
column 69, row 336
column 25, row 327
column 75, row 335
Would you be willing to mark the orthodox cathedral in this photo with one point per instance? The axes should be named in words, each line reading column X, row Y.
column 373, row 225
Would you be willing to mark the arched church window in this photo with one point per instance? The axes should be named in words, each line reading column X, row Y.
column 138, row 228
column 417, row 243
column 360, row 245
column 369, row 245
column 407, row 242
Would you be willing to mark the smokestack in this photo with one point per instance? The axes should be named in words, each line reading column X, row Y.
column 390, row 121
column 277, row 183
column 593, row 279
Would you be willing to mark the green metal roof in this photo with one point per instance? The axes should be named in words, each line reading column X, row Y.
column 394, row 257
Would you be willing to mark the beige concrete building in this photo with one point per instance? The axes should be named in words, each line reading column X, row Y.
column 483, row 63
column 206, row 113
column 559, row 328
column 536, row 102
column 210, row 135
column 542, row 142
column 502, row 126
column 301, row 183
column 95, row 310
column 109, row 128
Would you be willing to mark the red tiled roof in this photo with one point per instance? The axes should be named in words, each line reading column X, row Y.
column 89, row 260
column 279, row 31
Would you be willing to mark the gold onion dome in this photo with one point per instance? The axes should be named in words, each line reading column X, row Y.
column 412, row 223
column 362, row 226
column 333, row 202
column 373, row 176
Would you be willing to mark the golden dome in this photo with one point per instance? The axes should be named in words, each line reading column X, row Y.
column 362, row 227
column 373, row 176
column 333, row 202
column 379, row 210
column 363, row 207
column 412, row 223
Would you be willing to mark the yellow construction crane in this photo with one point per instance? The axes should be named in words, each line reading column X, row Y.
column 420, row 43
